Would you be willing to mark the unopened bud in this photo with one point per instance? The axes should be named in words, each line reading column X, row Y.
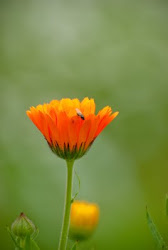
column 23, row 227
column 84, row 219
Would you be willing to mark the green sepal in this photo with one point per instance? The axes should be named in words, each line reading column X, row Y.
column 14, row 239
column 34, row 245
column 155, row 233
column 68, row 154
column 29, row 242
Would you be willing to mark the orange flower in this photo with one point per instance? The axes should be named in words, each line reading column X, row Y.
column 70, row 126
column 83, row 220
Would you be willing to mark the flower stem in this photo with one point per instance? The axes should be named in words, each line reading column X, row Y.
column 67, row 208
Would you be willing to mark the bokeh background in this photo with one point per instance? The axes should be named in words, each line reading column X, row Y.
column 117, row 53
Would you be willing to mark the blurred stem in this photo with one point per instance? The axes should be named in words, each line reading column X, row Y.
column 22, row 243
column 67, row 207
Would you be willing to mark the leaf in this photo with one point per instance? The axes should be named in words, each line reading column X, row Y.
column 155, row 233
column 167, row 204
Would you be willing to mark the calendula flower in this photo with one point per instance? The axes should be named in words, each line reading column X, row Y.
column 70, row 126
column 83, row 219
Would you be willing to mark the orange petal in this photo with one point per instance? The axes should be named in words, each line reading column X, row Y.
column 84, row 132
column 73, row 130
column 87, row 106
column 104, row 122
column 94, row 125
column 62, row 123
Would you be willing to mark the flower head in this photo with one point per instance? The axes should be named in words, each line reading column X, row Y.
column 84, row 219
column 70, row 126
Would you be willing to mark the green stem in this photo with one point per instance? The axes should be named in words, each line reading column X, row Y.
column 67, row 208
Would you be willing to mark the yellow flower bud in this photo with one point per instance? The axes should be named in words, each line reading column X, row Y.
column 22, row 226
column 84, row 219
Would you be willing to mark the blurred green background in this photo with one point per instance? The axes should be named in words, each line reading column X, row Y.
column 117, row 53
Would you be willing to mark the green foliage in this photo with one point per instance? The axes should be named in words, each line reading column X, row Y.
column 155, row 233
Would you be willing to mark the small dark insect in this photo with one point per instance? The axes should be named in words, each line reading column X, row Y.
column 79, row 113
